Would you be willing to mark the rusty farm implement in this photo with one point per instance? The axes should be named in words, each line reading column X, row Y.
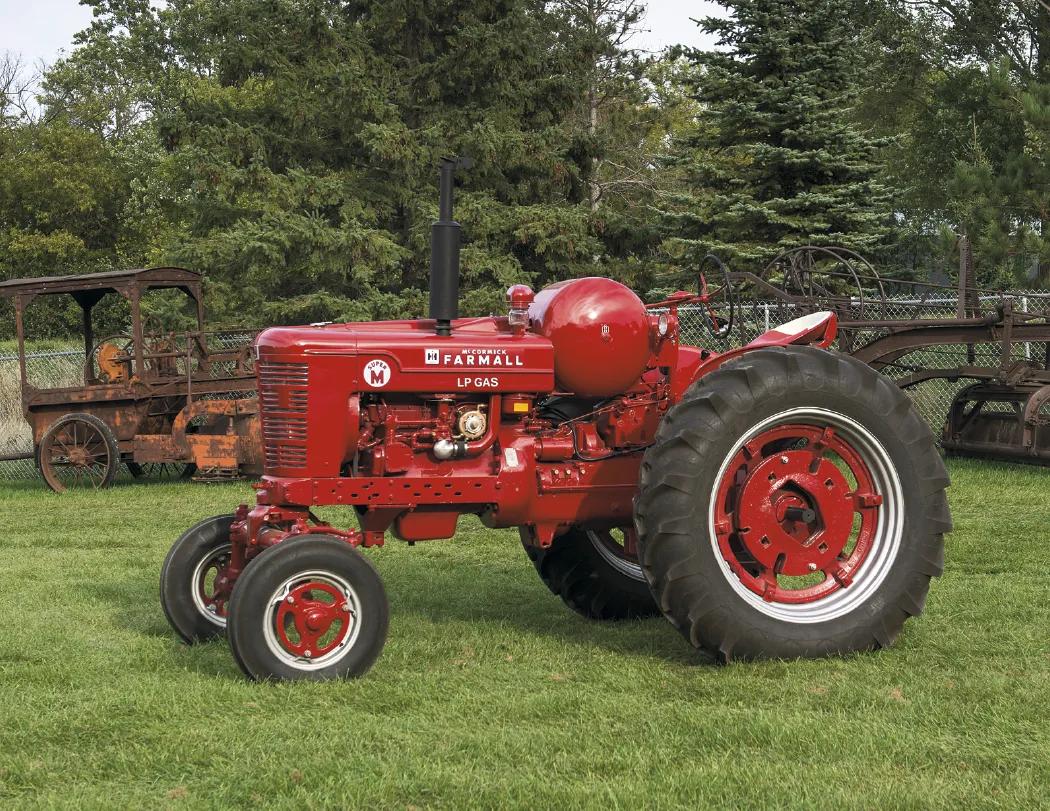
column 918, row 332
column 155, row 401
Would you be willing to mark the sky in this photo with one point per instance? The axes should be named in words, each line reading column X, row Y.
column 39, row 29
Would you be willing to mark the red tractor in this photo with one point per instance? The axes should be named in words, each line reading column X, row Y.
column 780, row 500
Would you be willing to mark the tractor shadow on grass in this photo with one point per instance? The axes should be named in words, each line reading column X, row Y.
column 135, row 611
column 511, row 598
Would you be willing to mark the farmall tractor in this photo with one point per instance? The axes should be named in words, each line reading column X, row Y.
column 780, row 500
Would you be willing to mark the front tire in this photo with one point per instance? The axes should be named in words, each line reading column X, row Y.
column 311, row 607
column 792, row 506
column 594, row 575
column 193, row 593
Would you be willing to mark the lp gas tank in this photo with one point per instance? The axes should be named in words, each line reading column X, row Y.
column 600, row 332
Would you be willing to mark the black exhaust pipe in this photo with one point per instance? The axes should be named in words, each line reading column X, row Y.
column 444, row 252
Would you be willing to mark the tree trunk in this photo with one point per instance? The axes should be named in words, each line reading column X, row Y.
column 592, row 130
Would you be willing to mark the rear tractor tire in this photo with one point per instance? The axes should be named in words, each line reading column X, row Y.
column 594, row 575
column 192, row 592
column 311, row 607
column 792, row 506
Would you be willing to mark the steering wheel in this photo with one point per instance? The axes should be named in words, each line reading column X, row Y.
column 718, row 303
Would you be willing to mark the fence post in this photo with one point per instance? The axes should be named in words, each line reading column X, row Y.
column 765, row 308
column 1027, row 346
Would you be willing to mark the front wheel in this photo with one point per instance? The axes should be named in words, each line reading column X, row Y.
column 78, row 451
column 792, row 506
column 194, row 582
column 308, row 608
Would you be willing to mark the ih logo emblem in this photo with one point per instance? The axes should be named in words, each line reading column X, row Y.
column 433, row 357
column 377, row 373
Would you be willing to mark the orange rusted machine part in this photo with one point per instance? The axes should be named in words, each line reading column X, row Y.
column 175, row 399
column 233, row 446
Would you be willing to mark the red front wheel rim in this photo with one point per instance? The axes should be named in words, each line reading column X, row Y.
column 211, row 584
column 313, row 620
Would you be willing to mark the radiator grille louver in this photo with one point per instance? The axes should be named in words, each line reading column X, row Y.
column 283, row 403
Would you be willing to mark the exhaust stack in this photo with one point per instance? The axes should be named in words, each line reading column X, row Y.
column 444, row 252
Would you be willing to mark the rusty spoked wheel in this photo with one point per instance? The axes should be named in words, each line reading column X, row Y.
column 78, row 451
column 308, row 608
column 807, row 516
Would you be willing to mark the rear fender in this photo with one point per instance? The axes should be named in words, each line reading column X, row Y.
column 816, row 329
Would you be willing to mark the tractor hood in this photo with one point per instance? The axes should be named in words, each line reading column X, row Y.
column 481, row 355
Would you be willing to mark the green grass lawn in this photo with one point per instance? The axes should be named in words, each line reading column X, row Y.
column 492, row 694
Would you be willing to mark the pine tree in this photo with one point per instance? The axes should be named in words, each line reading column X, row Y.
column 1001, row 198
column 774, row 160
column 303, row 138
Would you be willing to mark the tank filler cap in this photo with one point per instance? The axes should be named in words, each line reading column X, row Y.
column 520, row 296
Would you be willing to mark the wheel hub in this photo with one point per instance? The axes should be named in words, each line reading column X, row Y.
column 80, row 457
column 777, row 497
column 796, row 500
column 310, row 626
column 317, row 620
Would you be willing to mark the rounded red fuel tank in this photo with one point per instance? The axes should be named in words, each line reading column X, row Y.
column 600, row 332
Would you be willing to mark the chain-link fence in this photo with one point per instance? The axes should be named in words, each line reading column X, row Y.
column 932, row 397
column 55, row 369
column 43, row 370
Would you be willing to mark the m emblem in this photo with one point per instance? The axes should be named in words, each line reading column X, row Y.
column 377, row 374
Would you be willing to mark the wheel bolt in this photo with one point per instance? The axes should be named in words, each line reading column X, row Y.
column 784, row 460
column 307, row 654
column 289, row 599
column 346, row 608
column 812, row 567
column 800, row 514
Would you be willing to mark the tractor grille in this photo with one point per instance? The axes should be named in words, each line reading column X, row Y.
column 283, row 400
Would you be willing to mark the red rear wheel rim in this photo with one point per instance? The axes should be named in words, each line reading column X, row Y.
column 798, row 510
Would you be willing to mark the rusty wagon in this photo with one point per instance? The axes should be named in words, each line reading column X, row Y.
column 177, row 401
